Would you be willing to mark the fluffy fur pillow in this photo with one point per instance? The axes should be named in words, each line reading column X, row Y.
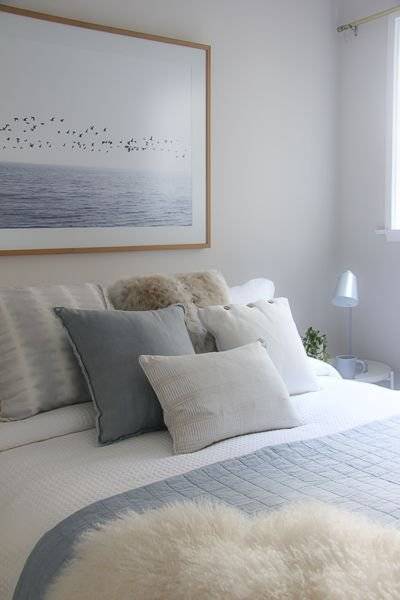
column 152, row 292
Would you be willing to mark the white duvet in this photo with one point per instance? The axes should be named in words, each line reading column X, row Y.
column 52, row 466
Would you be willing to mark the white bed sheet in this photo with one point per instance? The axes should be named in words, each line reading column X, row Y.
column 42, row 483
column 62, row 421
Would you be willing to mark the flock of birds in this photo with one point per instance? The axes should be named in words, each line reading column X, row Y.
column 30, row 133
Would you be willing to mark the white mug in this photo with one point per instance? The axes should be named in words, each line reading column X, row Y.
column 349, row 365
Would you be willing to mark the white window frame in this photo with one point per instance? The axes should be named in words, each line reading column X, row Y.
column 392, row 221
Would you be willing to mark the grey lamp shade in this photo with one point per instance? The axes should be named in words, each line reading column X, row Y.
column 346, row 293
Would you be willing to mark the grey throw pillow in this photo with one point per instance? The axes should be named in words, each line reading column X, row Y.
column 108, row 345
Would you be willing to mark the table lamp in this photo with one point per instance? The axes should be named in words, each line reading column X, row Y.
column 346, row 296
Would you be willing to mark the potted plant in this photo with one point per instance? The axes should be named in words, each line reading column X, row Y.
column 315, row 344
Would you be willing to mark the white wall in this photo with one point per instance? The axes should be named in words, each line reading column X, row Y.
column 273, row 146
column 363, row 68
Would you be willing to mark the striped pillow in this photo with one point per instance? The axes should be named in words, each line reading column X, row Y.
column 211, row 397
column 38, row 371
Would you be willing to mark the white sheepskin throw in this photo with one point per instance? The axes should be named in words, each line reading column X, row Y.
column 212, row 552
column 152, row 292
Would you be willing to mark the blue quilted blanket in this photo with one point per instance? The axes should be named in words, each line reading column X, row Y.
column 358, row 469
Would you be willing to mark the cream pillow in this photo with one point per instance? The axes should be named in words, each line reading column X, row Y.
column 272, row 320
column 210, row 397
column 38, row 370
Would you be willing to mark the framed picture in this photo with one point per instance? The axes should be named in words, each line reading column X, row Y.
column 104, row 138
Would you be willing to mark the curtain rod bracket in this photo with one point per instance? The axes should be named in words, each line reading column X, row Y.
column 354, row 29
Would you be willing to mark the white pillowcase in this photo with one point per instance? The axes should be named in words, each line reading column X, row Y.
column 252, row 290
column 236, row 325
column 218, row 395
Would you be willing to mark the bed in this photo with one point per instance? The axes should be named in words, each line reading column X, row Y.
column 58, row 482
column 51, row 465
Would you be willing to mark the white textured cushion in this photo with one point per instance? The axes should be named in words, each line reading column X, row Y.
column 214, row 396
column 255, row 289
column 236, row 325
column 38, row 370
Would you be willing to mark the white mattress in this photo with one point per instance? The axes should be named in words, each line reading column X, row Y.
column 43, row 482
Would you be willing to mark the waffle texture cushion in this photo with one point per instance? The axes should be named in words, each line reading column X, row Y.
column 153, row 292
column 107, row 346
column 38, row 371
column 214, row 396
column 272, row 320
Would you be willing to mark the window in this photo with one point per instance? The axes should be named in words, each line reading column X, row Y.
column 393, row 133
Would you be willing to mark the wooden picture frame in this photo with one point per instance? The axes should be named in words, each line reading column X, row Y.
column 188, row 216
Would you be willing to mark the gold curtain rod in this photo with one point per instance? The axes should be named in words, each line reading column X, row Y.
column 353, row 25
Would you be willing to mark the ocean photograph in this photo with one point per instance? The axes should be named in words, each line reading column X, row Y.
column 51, row 196
column 111, row 156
